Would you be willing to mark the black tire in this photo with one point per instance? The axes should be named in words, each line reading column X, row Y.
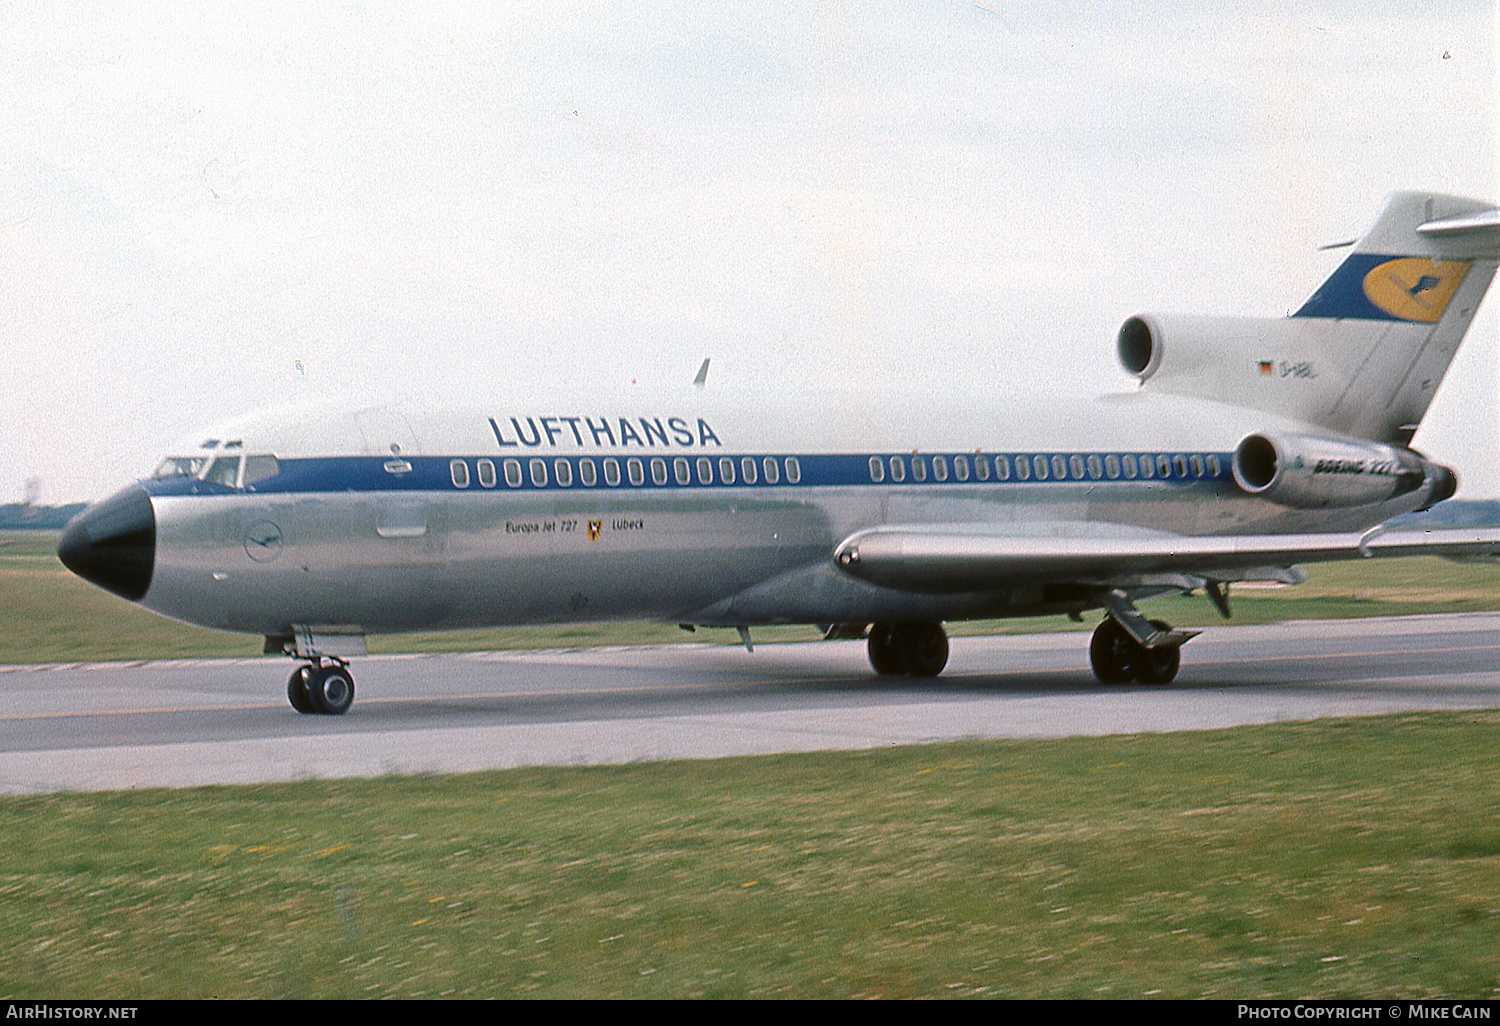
column 885, row 650
column 1159, row 665
column 296, row 690
column 925, row 651
column 1113, row 653
column 330, row 690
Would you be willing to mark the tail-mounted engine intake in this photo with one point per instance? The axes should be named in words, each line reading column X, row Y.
column 1306, row 472
column 1186, row 348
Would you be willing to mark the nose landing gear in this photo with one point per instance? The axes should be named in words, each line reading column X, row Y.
column 321, row 689
column 324, row 685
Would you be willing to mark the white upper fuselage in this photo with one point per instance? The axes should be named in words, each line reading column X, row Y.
column 822, row 422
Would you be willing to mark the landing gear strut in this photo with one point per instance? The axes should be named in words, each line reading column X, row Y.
column 918, row 649
column 319, row 688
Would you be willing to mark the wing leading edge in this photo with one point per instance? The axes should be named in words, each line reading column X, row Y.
column 937, row 560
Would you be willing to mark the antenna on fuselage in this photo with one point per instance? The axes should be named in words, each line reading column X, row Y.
column 702, row 378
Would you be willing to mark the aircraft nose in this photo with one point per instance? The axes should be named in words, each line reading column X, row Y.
column 113, row 543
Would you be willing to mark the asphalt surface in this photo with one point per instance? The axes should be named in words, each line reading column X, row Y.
column 185, row 723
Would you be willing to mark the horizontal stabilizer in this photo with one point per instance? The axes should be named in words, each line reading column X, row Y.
column 1466, row 224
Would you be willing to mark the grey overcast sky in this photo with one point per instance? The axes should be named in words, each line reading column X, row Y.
column 210, row 208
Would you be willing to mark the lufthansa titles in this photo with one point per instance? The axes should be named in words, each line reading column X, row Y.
column 603, row 432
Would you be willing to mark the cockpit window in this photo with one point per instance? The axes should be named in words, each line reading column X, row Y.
column 258, row 468
column 181, row 466
column 222, row 471
column 225, row 471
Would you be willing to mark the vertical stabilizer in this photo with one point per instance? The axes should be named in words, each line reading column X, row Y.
column 1394, row 312
column 1365, row 355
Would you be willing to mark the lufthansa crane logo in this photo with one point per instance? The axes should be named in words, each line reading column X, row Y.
column 263, row 541
column 594, row 527
column 1415, row 288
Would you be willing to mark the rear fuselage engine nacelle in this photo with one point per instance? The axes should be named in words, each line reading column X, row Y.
column 1230, row 360
column 1309, row 472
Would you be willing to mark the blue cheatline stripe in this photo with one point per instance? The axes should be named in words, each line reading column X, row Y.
column 663, row 472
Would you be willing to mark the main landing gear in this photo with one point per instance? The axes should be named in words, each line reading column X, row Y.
column 917, row 649
column 321, row 688
column 1128, row 647
column 1118, row 658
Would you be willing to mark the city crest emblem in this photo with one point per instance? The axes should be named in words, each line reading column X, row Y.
column 595, row 526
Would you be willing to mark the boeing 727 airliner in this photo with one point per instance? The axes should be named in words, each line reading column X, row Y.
column 1251, row 445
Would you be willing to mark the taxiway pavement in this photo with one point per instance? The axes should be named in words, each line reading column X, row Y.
column 185, row 723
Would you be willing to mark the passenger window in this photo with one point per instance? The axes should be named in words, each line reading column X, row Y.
column 1179, row 464
column 1039, row 466
column 1164, row 466
column 1213, row 466
column 682, row 470
column 747, row 470
column 1059, row 468
column 539, row 473
column 705, row 470
column 458, row 470
column 260, row 468
column 513, row 473
column 658, row 470
column 612, row 472
column 1075, row 464
column 563, row 471
column 982, row 468
column 940, row 468
column 1002, row 468
column 587, row 475
column 918, row 469
column 1112, row 466
column 793, row 470
column 961, row 468
column 1148, row 469
column 773, row 472
column 1096, row 468
column 898, row 469
column 225, row 471
column 726, row 470
column 877, row 469
column 1129, row 462
column 1197, row 464
column 636, row 471
column 1023, row 468
column 486, row 474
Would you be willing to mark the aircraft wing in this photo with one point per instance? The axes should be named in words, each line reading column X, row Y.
column 938, row 560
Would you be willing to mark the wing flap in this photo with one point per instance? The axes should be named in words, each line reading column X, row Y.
column 960, row 560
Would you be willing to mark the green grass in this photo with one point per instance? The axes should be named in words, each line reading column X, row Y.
column 1342, row 858
column 53, row 616
column 1355, row 858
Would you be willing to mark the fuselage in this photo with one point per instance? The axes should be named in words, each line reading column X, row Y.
column 690, row 506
